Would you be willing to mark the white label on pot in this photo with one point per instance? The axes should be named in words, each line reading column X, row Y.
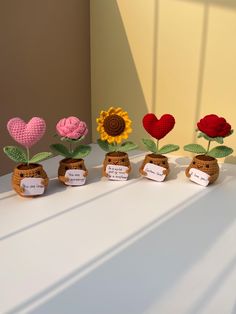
column 32, row 186
column 199, row 176
column 117, row 172
column 75, row 177
column 154, row 172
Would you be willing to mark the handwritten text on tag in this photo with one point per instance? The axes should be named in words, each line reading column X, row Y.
column 199, row 176
column 154, row 172
column 32, row 186
column 116, row 172
column 75, row 177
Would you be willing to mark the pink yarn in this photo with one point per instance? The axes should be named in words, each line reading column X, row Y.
column 26, row 134
column 72, row 128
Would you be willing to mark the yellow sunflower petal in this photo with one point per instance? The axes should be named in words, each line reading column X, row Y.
column 111, row 139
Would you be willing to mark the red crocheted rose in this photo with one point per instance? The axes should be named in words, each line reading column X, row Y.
column 214, row 126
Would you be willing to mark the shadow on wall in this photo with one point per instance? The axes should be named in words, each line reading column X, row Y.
column 145, row 270
column 226, row 4
column 44, row 69
column 115, row 82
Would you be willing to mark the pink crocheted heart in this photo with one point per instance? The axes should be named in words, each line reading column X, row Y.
column 26, row 134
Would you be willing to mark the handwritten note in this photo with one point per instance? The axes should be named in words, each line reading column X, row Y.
column 199, row 176
column 154, row 172
column 32, row 186
column 116, row 172
column 75, row 177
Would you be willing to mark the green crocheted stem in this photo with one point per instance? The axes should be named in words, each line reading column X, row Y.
column 151, row 145
column 28, row 155
column 81, row 151
column 61, row 150
column 154, row 148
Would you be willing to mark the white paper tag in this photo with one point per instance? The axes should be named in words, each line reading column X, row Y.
column 116, row 172
column 32, row 186
column 154, row 172
column 75, row 177
column 199, row 176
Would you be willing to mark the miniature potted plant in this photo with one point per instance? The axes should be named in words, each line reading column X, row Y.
column 114, row 125
column 204, row 168
column 72, row 170
column 155, row 165
column 29, row 177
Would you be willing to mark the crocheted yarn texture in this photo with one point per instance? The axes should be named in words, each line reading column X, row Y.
column 158, row 128
column 26, row 134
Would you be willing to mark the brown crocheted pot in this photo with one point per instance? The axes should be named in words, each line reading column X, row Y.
column 23, row 172
column 158, row 160
column 116, row 159
column 71, row 164
column 206, row 164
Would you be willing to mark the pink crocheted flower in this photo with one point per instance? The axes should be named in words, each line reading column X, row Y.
column 72, row 128
column 26, row 134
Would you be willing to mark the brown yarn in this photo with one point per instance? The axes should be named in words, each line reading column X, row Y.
column 156, row 159
column 70, row 163
column 27, row 171
column 116, row 158
column 206, row 164
column 114, row 125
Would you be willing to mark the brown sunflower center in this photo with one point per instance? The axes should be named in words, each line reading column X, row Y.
column 114, row 125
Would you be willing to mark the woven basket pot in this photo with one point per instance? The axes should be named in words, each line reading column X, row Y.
column 156, row 159
column 206, row 164
column 69, row 164
column 28, row 171
column 117, row 159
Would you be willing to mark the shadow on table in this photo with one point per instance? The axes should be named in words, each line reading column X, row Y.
column 234, row 309
column 135, row 274
column 6, row 186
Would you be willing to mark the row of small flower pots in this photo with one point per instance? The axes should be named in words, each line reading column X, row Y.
column 114, row 125
column 32, row 180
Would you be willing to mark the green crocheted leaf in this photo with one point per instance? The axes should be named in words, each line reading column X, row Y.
column 195, row 148
column 150, row 144
column 15, row 153
column 61, row 150
column 220, row 151
column 103, row 145
column 70, row 140
column 168, row 148
column 217, row 139
column 81, row 151
column 40, row 156
column 127, row 146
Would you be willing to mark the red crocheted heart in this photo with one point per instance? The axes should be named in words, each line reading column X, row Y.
column 158, row 128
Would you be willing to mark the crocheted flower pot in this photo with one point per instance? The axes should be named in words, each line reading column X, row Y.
column 72, row 172
column 29, row 180
column 116, row 166
column 155, row 167
column 205, row 164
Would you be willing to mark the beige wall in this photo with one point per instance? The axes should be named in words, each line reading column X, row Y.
column 44, row 64
column 165, row 56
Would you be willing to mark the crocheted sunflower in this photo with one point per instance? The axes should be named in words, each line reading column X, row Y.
column 114, row 125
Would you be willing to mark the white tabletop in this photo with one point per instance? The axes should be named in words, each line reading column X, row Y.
column 120, row 247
